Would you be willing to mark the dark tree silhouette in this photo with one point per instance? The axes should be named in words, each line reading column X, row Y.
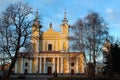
column 114, row 59
column 16, row 30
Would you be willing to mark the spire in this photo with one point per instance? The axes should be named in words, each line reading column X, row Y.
column 65, row 21
column 36, row 22
column 36, row 15
column 65, row 15
column 50, row 25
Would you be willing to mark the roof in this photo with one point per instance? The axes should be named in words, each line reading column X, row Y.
column 51, row 52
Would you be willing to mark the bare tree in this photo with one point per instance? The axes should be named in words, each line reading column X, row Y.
column 98, row 33
column 88, row 35
column 77, row 35
column 16, row 30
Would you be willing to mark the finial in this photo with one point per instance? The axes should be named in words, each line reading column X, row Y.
column 65, row 15
column 50, row 25
column 65, row 21
column 36, row 14
column 36, row 22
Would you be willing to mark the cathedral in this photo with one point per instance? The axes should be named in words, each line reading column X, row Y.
column 50, row 53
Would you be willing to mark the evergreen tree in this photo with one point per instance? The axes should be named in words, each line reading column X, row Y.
column 114, row 57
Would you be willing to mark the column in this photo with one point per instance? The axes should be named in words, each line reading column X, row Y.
column 56, row 45
column 53, row 65
column 40, row 65
column 36, row 64
column 43, row 47
column 83, row 68
column 16, row 67
column 30, row 66
column 83, row 65
column 62, row 64
column 58, row 65
column 77, row 65
column 22, row 66
column 68, row 65
column 44, row 64
column 60, row 45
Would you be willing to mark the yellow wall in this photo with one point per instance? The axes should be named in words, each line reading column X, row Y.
column 57, row 39
column 33, row 65
column 80, row 63
column 65, row 65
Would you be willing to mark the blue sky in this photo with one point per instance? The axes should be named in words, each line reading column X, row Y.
column 53, row 11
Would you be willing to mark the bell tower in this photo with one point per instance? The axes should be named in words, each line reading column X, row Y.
column 35, row 34
column 64, row 25
column 64, row 33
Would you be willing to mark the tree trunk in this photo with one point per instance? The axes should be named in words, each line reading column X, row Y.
column 13, row 61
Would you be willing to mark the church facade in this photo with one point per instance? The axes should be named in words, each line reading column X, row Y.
column 50, row 53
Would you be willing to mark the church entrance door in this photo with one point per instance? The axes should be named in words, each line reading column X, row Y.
column 49, row 70
column 72, row 71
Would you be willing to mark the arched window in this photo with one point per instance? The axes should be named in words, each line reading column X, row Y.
column 64, row 46
column 49, row 47
column 72, row 64
column 34, row 47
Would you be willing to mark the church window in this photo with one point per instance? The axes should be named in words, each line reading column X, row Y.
column 48, row 60
column 72, row 64
column 64, row 46
column 49, row 47
column 26, row 64
column 34, row 46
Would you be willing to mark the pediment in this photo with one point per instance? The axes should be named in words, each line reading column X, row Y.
column 51, row 32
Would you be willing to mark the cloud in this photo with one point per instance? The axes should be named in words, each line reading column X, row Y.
column 113, row 17
column 112, row 14
column 109, row 11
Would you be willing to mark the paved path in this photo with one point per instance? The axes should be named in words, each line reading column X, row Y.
column 32, row 77
column 35, row 79
column 46, row 77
